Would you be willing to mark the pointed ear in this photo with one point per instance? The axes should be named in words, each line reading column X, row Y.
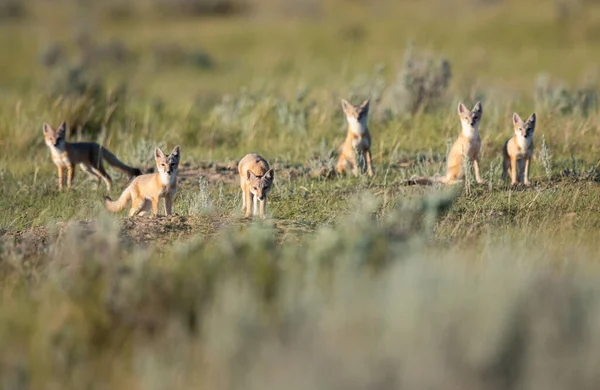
column 477, row 107
column 364, row 107
column 158, row 153
column 62, row 130
column 531, row 119
column 270, row 174
column 461, row 108
column 250, row 175
column 345, row 105
column 516, row 119
column 46, row 128
column 175, row 152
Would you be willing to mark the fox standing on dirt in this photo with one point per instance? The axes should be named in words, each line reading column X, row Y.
column 89, row 155
column 145, row 191
column 517, row 151
column 358, row 140
column 468, row 144
column 256, row 179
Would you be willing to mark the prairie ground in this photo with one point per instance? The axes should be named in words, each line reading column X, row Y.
column 351, row 282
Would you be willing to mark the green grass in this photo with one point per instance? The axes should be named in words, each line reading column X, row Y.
column 364, row 282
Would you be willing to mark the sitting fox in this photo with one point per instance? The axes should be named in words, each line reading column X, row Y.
column 256, row 179
column 146, row 190
column 468, row 144
column 89, row 155
column 517, row 151
column 358, row 139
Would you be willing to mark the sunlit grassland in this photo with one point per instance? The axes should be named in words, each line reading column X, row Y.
column 351, row 282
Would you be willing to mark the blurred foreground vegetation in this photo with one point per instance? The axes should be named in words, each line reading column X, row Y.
column 351, row 282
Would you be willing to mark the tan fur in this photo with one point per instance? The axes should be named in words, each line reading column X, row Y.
column 256, row 179
column 145, row 191
column 468, row 144
column 89, row 155
column 358, row 138
column 518, row 150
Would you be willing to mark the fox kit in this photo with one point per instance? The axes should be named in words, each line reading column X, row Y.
column 358, row 140
column 89, row 155
column 517, row 151
column 468, row 144
column 256, row 179
column 146, row 190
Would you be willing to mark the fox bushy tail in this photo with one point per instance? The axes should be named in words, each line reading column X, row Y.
column 115, row 162
column 117, row 205
column 428, row 180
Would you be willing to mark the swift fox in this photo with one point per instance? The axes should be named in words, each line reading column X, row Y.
column 89, row 155
column 517, row 151
column 468, row 144
column 256, row 179
column 146, row 190
column 358, row 140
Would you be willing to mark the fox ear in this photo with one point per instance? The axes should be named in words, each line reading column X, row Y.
column 364, row 107
column 461, row 108
column 63, row 128
column 46, row 128
column 250, row 175
column 345, row 105
column 175, row 152
column 269, row 175
column 532, row 119
column 158, row 153
column 516, row 119
column 477, row 107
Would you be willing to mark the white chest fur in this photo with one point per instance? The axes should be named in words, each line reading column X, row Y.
column 523, row 142
column 59, row 156
column 357, row 127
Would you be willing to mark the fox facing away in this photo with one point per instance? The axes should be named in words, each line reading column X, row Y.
column 145, row 191
column 468, row 144
column 517, row 151
column 358, row 139
column 89, row 155
column 256, row 179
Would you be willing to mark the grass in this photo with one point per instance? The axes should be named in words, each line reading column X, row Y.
column 364, row 282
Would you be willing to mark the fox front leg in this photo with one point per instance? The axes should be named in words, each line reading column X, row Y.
column 526, row 171
column 369, row 164
column 60, row 177
column 248, row 196
column 476, row 169
column 70, row 173
column 168, row 203
column 354, row 165
column 263, row 208
column 155, row 206
column 513, row 171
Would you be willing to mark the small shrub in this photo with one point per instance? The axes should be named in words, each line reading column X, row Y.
column 199, row 200
column 293, row 115
column 546, row 158
column 51, row 56
column 201, row 7
column 171, row 54
column 12, row 9
column 559, row 99
column 83, row 99
column 422, row 82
